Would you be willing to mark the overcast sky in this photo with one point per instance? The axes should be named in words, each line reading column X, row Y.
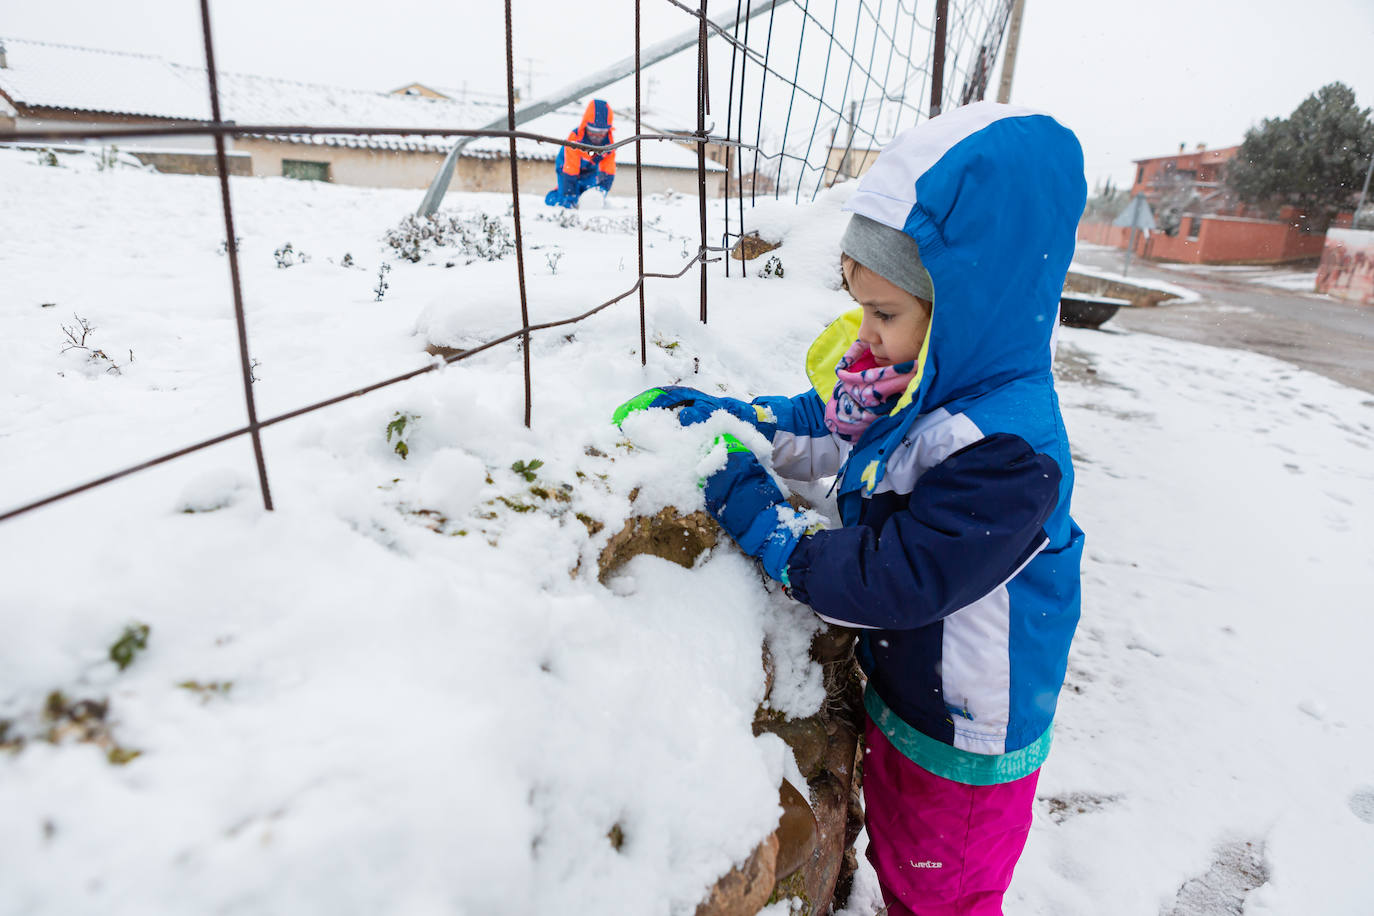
column 1133, row 80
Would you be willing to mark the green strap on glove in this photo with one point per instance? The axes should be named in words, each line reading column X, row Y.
column 641, row 401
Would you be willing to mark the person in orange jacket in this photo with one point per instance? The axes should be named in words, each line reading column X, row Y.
column 578, row 170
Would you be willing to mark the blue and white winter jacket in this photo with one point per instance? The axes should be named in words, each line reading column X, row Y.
column 958, row 557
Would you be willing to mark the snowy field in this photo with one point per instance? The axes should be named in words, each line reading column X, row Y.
column 405, row 691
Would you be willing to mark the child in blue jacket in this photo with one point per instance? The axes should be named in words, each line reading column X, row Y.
column 934, row 406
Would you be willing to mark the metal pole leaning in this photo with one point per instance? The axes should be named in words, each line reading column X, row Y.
column 639, row 199
column 231, row 246
column 515, row 209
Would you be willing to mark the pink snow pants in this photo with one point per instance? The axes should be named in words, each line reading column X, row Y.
column 940, row 847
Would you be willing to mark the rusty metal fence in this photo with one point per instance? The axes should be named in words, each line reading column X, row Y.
column 960, row 40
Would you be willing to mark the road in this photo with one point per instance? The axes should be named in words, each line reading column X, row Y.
column 1327, row 336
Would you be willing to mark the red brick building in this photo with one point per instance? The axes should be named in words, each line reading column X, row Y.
column 1201, row 169
column 1200, row 221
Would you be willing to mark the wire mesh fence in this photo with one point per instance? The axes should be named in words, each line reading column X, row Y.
column 840, row 77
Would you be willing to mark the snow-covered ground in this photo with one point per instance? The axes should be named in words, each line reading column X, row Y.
column 1182, row 293
column 404, row 690
column 1296, row 281
column 1277, row 276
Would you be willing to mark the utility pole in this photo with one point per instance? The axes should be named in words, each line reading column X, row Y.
column 529, row 77
column 844, row 160
column 1355, row 217
column 1018, row 9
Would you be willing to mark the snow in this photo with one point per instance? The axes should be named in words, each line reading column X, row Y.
column 404, row 689
column 1183, row 293
column 1298, row 281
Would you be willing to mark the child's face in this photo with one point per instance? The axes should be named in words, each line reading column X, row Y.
column 894, row 323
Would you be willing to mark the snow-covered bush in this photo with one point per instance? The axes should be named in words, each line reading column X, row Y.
column 97, row 360
column 477, row 237
column 286, row 255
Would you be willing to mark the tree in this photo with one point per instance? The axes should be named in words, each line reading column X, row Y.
column 1106, row 202
column 1314, row 159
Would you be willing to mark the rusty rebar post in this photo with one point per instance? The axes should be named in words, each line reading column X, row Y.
column 937, row 63
column 702, row 103
column 739, row 155
column 231, row 245
column 515, row 204
column 639, row 200
column 731, row 153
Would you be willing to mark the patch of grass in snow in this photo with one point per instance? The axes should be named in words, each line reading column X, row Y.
column 63, row 719
column 86, row 721
column 397, row 428
column 132, row 641
column 207, row 690
column 1060, row 808
column 526, row 469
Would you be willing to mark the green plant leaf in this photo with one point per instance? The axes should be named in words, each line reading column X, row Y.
column 133, row 640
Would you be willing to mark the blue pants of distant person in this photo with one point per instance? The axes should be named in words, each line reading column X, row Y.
column 571, row 187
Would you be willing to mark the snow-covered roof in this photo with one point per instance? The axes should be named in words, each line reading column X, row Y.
column 45, row 75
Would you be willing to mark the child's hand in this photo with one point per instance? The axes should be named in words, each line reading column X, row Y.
column 743, row 498
column 696, row 407
column 668, row 397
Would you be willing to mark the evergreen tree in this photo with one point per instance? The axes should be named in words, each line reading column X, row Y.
column 1315, row 158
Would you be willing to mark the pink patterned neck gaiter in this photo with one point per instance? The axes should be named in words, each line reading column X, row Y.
column 865, row 391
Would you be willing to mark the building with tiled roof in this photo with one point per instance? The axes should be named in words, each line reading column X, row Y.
column 48, row 85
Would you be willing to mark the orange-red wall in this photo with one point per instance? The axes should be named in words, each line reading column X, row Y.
column 1347, row 267
column 1219, row 240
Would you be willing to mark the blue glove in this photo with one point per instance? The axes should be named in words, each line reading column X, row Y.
column 697, row 406
column 603, row 181
column 751, row 508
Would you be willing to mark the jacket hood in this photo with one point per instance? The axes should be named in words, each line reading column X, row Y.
column 992, row 195
column 598, row 114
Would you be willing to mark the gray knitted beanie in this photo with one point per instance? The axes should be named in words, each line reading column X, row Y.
column 889, row 253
